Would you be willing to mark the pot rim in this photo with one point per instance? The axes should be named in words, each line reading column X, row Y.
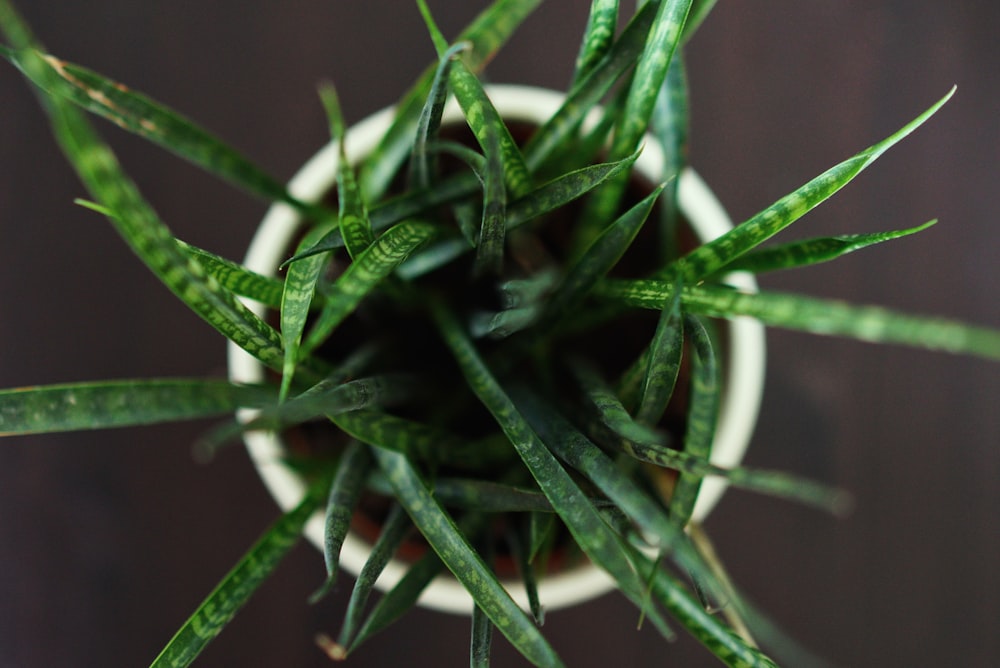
column 744, row 363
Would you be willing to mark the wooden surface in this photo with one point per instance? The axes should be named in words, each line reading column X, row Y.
column 108, row 540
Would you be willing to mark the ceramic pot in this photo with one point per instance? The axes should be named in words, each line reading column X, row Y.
column 744, row 358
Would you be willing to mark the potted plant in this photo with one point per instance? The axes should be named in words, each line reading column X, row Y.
column 469, row 292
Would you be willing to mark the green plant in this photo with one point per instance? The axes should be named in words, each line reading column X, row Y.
column 679, row 289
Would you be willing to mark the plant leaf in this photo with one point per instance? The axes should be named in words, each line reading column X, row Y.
column 487, row 33
column 819, row 316
column 589, row 529
column 296, row 303
column 662, row 363
column 239, row 584
column 555, row 132
column 602, row 255
column 121, row 403
column 597, row 36
column 345, row 491
column 364, row 274
column 715, row 255
column 236, row 278
column 650, row 73
column 394, row 530
column 151, row 120
column 451, row 546
column 701, row 419
column 813, row 251
column 422, row 166
column 142, row 229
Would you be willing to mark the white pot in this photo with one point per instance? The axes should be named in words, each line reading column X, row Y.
column 744, row 360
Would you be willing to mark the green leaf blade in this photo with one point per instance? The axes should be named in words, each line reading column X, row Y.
column 715, row 255
column 123, row 403
column 239, row 584
column 467, row 566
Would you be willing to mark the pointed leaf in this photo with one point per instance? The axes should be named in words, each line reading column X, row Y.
column 813, row 251
column 465, row 563
column 239, row 584
column 701, row 419
column 121, row 403
column 819, row 316
column 143, row 116
column 345, row 492
column 364, row 274
column 597, row 36
column 487, row 33
column 714, row 255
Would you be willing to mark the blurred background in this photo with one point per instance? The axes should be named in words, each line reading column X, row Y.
column 109, row 540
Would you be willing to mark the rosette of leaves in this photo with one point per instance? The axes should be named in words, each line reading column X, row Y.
column 447, row 314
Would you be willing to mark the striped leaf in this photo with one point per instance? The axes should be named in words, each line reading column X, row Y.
column 450, row 544
column 701, row 418
column 819, row 316
column 142, row 229
column 588, row 528
column 715, row 635
column 423, row 165
column 602, row 255
column 345, row 492
column 296, row 305
column 661, row 363
column 236, row 278
column 363, row 275
column 597, row 36
column 814, row 251
column 121, row 403
column 401, row 598
column 394, row 530
column 647, row 81
column 555, row 132
column 239, row 584
column 331, row 396
column 355, row 228
column 487, row 33
column 564, row 189
column 149, row 119
column 714, row 255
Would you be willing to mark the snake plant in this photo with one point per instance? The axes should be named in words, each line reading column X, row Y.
column 445, row 315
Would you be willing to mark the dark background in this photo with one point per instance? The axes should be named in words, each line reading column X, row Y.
column 109, row 540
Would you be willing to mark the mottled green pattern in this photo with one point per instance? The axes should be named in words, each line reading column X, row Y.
column 813, row 251
column 464, row 562
column 345, row 492
column 239, row 584
column 487, row 33
column 713, row 256
column 819, row 316
column 296, row 304
column 701, row 419
column 363, row 275
column 597, row 36
column 423, row 163
column 602, row 255
column 394, row 530
column 236, row 278
column 661, row 362
column 121, row 403
column 139, row 114
column 647, row 81
column 589, row 529
column 586, row 94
